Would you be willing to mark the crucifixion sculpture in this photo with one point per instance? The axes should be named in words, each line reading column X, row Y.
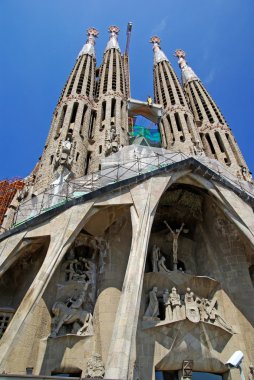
column 175, row 235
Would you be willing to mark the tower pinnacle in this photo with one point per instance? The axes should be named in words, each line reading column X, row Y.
column 88, row 48
column 187, row 72
column 113, row 42
column 159, row 55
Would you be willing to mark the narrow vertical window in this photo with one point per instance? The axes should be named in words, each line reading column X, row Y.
column 88, row 159
column 103, row 111
column 82, row 75
column 74, row 112
column 91, row 125
column 178, row 123
column 113, row 107
column 208, row 139
column 61, row 120
column 82, row 118
column 73, row 79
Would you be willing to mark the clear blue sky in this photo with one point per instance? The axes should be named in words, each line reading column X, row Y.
column 40, row 40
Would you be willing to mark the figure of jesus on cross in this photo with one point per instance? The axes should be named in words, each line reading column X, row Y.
column 175, row 235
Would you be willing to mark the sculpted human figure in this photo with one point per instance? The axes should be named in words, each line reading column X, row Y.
column 202, row 305
column 176, row 304
column 153, row 306
column 155, row 257
column 214, row 316
column 191, row 306
column 175, row 234
column 167, row 304
column 161, row 265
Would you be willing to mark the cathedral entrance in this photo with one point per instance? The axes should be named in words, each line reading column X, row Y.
column 173, row 375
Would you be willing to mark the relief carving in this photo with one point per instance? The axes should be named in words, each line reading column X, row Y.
column 178, row 307
column 95, row 367
column 72, row 312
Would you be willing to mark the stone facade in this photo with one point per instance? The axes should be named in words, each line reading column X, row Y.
column 149, row 276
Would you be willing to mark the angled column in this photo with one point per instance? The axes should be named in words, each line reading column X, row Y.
column 66, row 148
column 216, row 136
column 110, row 131
column 177, row 127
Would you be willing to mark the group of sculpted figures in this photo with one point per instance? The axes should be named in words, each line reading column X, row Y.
column 73, row 315
column 179, row 307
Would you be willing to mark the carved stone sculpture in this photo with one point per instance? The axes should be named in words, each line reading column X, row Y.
column 175, row 235
column 76, row 270
column 191, row 307
column 175, row 302
column 103, row 248
column 71, row 312
column 155, row 257
column 178, row 307
column 153, row 306
column 65, row 157
column 167, row 304
column 95, row 367
column 112, row 141
column 161, row 265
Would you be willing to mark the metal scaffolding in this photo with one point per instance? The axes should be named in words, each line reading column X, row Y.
column 131, row 161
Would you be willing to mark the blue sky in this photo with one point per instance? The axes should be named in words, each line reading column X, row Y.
column 41, row 39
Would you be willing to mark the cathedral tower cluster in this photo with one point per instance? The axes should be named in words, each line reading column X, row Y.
column 90, row 121
column 120, row 258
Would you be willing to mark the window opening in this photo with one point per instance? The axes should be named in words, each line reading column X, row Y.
column 74, row 112
column 208, row 139
column 113, row 107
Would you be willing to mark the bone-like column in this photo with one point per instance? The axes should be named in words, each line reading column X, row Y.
column 124, row 332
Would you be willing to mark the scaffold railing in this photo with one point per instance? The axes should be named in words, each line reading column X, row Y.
column 116, row 169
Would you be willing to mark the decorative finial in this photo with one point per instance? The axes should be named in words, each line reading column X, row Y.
column 92, row 32
column 114, row 29
column 155, row 40
column 180, row 53
column 159, row 56
column 187, row 72
column 88, row 48
column 113, row 43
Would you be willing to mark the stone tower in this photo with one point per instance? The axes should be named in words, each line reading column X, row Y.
column 66, row 149
column 111, row 127
column 215, row 135
column 145, row 269
column 178, row 131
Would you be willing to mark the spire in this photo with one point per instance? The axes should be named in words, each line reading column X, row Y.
column 113, row 42
column 88, row 48
column 187, row 72
column 159, row 55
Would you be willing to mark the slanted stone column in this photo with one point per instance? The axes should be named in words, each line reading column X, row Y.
column 65, row 228
column 118, row 364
